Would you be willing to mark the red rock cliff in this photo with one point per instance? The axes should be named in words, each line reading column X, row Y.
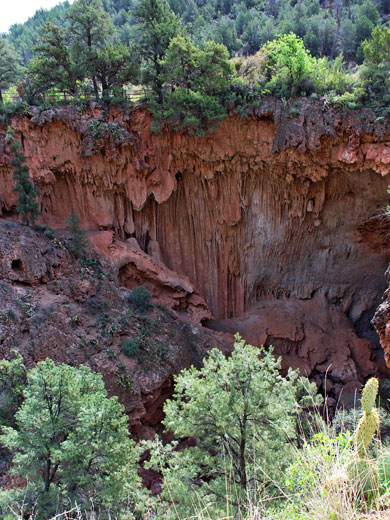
column 274, row 210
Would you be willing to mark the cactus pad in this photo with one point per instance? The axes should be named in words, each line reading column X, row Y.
column 370, row 391
column 369, row 423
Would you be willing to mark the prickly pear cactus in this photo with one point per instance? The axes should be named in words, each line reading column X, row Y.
column 369, row 423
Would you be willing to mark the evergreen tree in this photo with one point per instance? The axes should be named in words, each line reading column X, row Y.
column 10, row 68
column 242, row 413
column 71, row 444
column 157, row 25
column 52, row 66
column 27, row 206
column 91, row 29
column 114, row 66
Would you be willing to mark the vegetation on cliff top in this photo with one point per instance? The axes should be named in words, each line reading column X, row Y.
column 193, row 71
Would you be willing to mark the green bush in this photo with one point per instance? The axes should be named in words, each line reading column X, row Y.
column 78, row 240
column 141, row 299
column 187, row 111
column 131, row 347
column 288, row 66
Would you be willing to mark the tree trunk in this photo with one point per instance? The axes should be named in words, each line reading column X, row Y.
column 95, row 88
column 47, row 475
column 1, row 98
column 243, row 476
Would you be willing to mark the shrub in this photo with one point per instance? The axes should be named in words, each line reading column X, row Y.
column 187, row 111
column 131, row 347
column 141, row 299
column 78, row 241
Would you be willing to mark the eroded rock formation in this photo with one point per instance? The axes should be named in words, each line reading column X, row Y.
column 52, row 305
column 273, row 222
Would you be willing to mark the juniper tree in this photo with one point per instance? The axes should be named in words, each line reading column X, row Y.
column 27, row 206
column 70, row 443
column 157, row 24
column 52, row 66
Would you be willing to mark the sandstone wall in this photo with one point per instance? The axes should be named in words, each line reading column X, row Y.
column 275, row 208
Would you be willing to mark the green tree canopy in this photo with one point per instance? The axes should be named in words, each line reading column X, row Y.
column 91, row 28
column 114, row 66
column 71, row 443
column 206, row 70
column 241, row 412
column 52, row 66
column 157, row 24
column 286, row 63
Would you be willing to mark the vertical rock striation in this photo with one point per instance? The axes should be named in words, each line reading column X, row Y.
column 277, row 212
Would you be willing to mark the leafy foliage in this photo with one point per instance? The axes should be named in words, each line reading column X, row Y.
column 288, row 66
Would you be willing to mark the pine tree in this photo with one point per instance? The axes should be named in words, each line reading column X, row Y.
column 27, row 205
column 52, row 66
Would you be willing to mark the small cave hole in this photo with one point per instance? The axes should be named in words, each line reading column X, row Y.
column 17, row 266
